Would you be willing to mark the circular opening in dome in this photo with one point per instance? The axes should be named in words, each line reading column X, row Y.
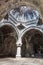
column 8, row 39
column 32, row 44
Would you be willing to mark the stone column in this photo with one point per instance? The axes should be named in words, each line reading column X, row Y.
column 18, row 50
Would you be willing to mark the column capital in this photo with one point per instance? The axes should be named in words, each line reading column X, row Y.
column 19, row 42
column 19, row 45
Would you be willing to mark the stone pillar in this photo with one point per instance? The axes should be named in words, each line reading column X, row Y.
column 19, row 44
column 18, row 50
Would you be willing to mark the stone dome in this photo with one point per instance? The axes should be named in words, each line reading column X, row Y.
column 25, row 14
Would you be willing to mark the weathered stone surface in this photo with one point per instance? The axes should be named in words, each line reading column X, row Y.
column 8, row 40
column 32, row 44
column 21, row 61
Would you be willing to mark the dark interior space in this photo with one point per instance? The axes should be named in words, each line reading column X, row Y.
column 8, row 38
column 32, row 44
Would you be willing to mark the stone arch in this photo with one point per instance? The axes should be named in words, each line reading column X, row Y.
column 9, row 38
column 32, row 40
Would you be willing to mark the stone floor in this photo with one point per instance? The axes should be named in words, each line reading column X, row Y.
column 21, row 61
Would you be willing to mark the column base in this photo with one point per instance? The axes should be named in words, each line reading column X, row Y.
column 18, row 56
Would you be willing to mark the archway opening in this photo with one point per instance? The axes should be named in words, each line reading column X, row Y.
column 8, row 39
column 32, row 44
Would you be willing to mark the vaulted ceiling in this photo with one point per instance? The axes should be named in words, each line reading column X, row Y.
column 6, row 5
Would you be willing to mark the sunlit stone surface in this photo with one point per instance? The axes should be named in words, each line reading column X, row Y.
column 21, row 61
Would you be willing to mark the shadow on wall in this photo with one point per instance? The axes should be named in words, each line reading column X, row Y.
column 32, row 44
column 8, row 38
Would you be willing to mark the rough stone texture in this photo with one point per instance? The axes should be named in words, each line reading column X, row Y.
column 32, row 44
column 21, row 61
column 8, row 38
